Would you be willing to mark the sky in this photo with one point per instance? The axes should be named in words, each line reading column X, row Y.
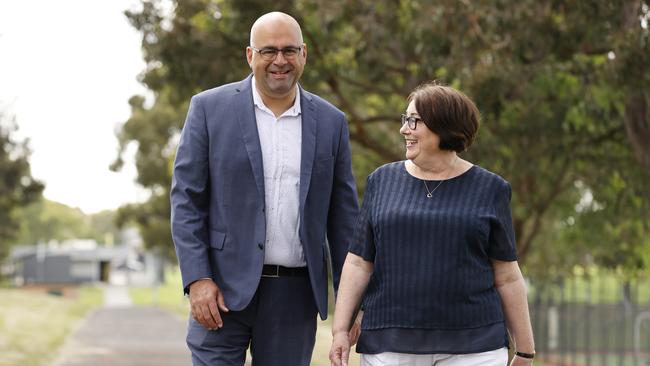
column 67, row 71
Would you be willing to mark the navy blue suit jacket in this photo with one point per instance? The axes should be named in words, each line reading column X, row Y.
column 217, row 196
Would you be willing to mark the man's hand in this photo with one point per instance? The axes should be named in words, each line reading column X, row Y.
column 340, row 351
column 355, row 331
column 205, row 301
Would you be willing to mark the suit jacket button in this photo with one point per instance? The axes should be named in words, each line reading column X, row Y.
column 260, row 245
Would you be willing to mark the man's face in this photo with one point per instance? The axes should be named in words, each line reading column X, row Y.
column 276, row 78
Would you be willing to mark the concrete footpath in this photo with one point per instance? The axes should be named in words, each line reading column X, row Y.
column 119, row 334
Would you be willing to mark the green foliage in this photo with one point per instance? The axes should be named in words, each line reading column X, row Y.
column 154, row 129
column 17, row 186
column 560, row 88
column 152, row 217
column 46, row 220
column 103, row 228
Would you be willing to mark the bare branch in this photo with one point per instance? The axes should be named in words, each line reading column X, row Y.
column 638, row 127
column 542, row 206
column 382, row 151
column 380, row 118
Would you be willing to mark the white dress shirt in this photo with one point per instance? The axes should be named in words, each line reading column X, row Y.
column 281, row 142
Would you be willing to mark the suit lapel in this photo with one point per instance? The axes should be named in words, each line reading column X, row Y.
column 245, row 110
column 308, row 143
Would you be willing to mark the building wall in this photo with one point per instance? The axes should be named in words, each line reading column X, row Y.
column 58, row 269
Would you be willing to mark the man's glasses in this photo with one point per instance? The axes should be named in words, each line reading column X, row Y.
column 270, row 53
column 411, row 120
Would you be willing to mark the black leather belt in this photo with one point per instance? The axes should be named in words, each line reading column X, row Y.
column 270, row 270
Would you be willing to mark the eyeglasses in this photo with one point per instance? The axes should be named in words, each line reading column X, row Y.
column 411, row 120
column 270, row 53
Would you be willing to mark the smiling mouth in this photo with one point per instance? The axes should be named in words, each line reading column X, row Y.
column 279, row 73
column 411, row 142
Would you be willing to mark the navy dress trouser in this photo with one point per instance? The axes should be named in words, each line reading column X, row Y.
column 279, row 325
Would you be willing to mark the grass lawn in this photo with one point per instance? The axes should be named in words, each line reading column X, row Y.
column 602, row 359
column 34, row 325
column 591, row 285
column 168, row 296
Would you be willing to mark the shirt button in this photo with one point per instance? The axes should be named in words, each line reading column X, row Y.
column 260, row 245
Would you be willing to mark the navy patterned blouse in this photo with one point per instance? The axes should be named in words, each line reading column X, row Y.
column 432, row 289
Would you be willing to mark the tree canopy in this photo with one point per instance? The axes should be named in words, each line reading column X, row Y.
column 563, row 91
column 44, row 220
column 17, row 188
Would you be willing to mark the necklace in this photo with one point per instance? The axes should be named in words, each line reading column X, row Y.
column 451, row 169
column 430, row 193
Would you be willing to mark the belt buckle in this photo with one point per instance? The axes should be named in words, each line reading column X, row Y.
column 276, row 275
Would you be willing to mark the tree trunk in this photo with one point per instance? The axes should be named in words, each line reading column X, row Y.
column 637, row 125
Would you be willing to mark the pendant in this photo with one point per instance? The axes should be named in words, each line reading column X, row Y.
column 429, row 195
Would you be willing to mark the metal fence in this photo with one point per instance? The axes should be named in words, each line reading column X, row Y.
column 591, row 319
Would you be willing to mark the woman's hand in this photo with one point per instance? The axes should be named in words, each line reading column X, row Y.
column 354, row 279
column 355, row 331
column 340, row 351
column 520, row 361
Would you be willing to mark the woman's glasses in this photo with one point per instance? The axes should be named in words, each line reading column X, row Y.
column 412, row 121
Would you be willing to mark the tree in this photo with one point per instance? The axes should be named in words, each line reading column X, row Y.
column 44, row 220
column 103, row 228
column 562, row 89
column 632, row 50
column 17, row 187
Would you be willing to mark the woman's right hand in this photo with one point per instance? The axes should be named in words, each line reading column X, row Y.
column 355, row 331
column 520, row 361
column 340, row 351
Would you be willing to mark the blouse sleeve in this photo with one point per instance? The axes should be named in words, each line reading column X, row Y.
column 363, row 240
column 502, row 236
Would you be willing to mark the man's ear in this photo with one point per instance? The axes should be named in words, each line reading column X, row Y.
column 249, row 56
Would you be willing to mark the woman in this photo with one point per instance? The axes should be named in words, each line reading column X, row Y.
column 433, row 254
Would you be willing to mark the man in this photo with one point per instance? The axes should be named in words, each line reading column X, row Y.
column 262, row 177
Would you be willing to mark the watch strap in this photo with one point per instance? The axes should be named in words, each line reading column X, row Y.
column 529, row 356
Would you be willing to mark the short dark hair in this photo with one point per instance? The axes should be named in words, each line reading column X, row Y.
column 447, row 112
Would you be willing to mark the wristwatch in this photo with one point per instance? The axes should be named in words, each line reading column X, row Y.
column 529, row 356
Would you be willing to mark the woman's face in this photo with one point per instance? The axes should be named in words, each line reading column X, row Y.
column 421, row 143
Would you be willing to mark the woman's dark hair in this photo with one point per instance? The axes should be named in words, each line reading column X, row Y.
column 447, row 112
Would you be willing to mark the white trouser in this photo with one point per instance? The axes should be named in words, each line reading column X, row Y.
column 498, row 357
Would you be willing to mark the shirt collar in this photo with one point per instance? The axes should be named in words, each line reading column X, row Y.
column 294, row 111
